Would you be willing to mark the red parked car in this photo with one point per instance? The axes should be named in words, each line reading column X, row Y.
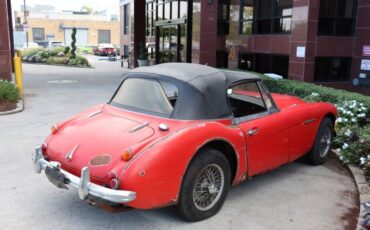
column 182, row 134
column 104, row 49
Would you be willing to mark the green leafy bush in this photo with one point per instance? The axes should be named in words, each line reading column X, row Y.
column 58, row 49
column 26, row 53
column 57, row 60
column 40, row 57
column 54, row 57
column 66, row 50
column 78, row 61
column 8, row 91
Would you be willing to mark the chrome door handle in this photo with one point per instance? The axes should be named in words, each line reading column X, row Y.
column 253, row 131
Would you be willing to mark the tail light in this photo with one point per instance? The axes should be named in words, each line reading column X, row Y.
column 44, row 149
column 113, row 180
column 114, row 184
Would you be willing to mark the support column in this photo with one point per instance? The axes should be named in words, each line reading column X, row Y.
column 210, row 42
column 138, row 26
column 5, row 49
column 303, row 38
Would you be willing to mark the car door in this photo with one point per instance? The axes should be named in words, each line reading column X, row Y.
column 303, row 126
column 267, row 137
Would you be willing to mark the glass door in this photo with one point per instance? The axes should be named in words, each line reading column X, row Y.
column 167, row 41
column 171, row 40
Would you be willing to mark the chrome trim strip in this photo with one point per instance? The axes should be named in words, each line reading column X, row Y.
column 83, row 184
column 136, row 128
column 306, row 122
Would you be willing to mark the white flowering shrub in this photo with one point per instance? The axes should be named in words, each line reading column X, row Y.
column 353, row 134
column 350, row 112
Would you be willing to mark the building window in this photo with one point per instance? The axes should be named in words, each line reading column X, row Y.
column 103, row 36
column 223, row 17
column 337, row 17
column 265, row 16
column 264, row 63
column 50, row 37
column 171, row 9
column 150, row 14
column 38, row 34
column 332, row 69
column 126, row 18
column 126, row 51
column 246, row 18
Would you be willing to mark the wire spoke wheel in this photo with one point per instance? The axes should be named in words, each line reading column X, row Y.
column 208, row 187
column 205, row 185
column 321, row 146
column 325, row 143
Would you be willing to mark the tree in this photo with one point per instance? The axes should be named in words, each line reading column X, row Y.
column 73, row 43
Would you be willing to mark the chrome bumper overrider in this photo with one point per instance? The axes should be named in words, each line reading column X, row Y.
column 83, row 184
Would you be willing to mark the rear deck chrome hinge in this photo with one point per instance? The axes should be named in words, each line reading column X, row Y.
column 136, row 128
column 94, row 114
column 69, row 155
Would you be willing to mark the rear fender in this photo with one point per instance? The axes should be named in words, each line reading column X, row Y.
column 156, row 172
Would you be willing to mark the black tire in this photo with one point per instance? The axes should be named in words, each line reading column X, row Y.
column 208, row 159
column 317, row 156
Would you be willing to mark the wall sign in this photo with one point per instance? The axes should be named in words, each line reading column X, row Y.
column 301, row 51
column 365, row 64
column 366, row 51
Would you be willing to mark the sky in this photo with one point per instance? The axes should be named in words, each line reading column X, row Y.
column 76, row 5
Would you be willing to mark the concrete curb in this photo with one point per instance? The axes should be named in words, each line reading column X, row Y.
column 20, row 107
column 363, row 191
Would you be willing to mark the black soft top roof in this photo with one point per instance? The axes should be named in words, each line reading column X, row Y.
column 201, row 89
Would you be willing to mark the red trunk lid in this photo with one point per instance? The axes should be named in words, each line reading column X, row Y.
column 103, row 134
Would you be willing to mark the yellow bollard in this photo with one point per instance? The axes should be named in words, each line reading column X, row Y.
column 18, row 73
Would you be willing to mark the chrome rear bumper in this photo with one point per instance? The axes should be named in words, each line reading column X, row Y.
column 83, row 184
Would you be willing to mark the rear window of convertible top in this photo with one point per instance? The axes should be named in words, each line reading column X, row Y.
column 146, row 96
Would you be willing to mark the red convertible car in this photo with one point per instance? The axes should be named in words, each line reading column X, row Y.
column 182, row 134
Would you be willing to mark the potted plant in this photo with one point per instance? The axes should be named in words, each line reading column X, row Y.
column 143, row 56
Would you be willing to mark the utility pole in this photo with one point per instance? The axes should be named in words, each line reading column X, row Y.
column 25, row 19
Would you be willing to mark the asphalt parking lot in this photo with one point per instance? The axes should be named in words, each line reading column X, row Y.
column 296, row 196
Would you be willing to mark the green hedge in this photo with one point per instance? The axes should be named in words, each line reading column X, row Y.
column 8, row 91
column 304, row 90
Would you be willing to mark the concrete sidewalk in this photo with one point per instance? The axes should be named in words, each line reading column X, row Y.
column 296, row 196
